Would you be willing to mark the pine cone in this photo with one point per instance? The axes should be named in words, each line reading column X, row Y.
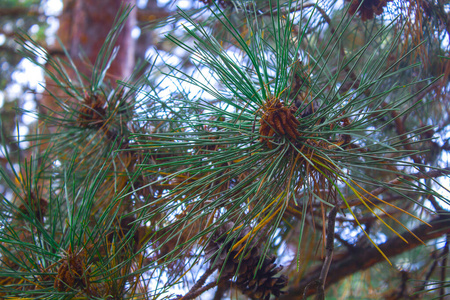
column 38, row 206
column 278, row 119
column 92, row 113
column 258, row 286
column 368, row 9
column 230, row 265
column 263, row 284
column 72, row 272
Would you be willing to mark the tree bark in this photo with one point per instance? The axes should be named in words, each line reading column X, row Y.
column 364, row 258
column 84, row 25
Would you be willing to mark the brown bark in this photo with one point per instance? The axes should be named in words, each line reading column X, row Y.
column 16, row 12
column 84, row 25
column 364, row 258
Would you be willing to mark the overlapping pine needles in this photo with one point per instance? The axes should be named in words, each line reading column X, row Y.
column 264, row 153
column 273, row 123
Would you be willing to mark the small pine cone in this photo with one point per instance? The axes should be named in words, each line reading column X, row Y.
column 368, row 9
column 278, row 119
column 284, row 114
column 292, row 132
column 72, row 273
column 38, row 206
column 259, row 286
column 264, row 283
column 224, row 3
column 229, row 266
column 92, row 113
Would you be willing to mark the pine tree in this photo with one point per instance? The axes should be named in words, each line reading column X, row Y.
column 286, row 146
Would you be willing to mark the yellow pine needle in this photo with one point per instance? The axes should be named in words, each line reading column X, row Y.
column 354, row 216
column 239, row 160
column 263, row 223
column 392, row 205
column 294, row 210
column 182, row 275
column 370, row 209
column 262, row 181
column 281, row 93
column 335, row 145
column 367, row 235
column 18, row 179
column 361, row 198
column 271, row 203
column 266, row 208
column 236, row 228
column 29, row 281
column 397, row 221
column 288, row 223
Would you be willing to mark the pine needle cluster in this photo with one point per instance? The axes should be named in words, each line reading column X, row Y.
column 266, row 138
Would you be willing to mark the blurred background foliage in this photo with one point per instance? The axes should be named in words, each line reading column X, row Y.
column 210, row 146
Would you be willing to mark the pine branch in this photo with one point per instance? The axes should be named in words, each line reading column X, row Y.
column 16, row 12
column 362, row 259
column 329, row 247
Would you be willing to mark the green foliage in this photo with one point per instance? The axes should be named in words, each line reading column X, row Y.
column 279, row 115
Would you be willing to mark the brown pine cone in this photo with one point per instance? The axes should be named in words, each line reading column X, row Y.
column 229, row 266
column 72, row 272
column 38, row 206
column 368, row 9
column 92, row 113
column 263, row 284
column 256, row 283
column 278, row 119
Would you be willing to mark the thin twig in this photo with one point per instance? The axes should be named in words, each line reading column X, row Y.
column 437, row 207
column 195, row 294
column 444, row 268
column 429, row 273
column 329, row 247
column 198, row 288
column 221, row 288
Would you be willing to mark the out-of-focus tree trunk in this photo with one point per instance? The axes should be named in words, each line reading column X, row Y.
column 84, row 25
